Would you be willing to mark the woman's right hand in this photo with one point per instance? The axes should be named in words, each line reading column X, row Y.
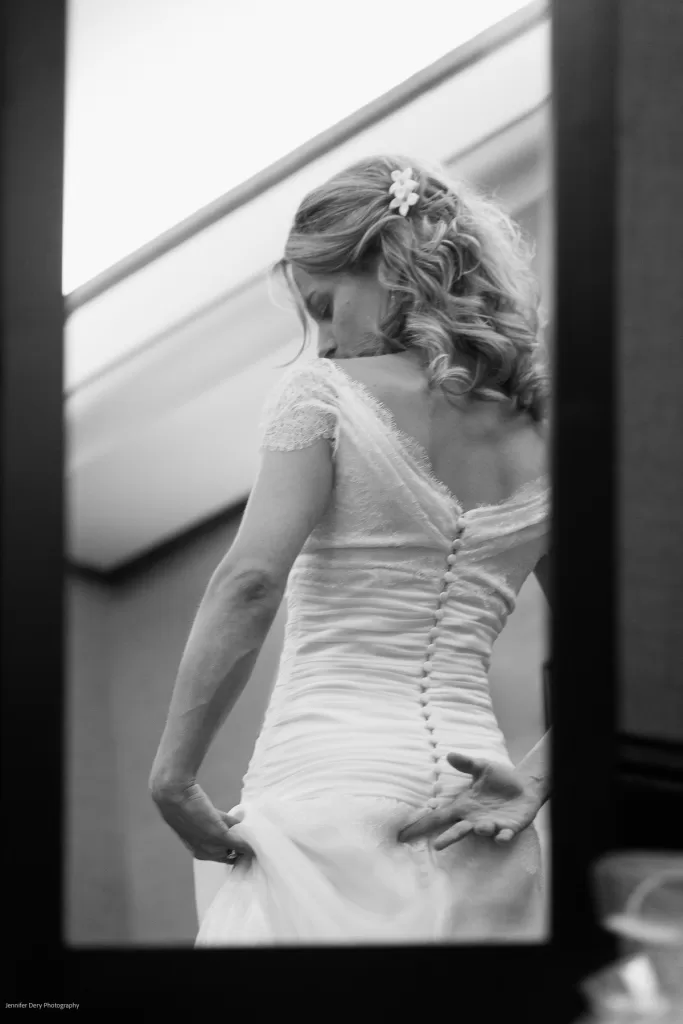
column 200, row 826
column 499, row 802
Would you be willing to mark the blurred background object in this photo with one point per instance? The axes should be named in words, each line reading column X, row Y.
column 639, row 897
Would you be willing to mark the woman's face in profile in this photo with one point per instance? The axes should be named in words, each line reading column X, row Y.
column 346, row 309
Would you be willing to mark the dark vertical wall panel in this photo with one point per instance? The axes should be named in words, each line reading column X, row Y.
column 584, row 670
column 650, row 338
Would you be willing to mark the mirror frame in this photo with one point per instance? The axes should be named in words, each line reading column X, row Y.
column 584, row 56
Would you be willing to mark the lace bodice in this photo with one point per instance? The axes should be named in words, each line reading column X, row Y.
column 385, row 492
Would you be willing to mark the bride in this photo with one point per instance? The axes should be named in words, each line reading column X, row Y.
column 401, row 502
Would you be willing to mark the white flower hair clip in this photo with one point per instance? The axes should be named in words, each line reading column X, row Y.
column 403, row 190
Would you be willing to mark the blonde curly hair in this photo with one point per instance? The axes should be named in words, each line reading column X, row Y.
column 458, row 270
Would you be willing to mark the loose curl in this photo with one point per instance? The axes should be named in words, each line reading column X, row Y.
column 458, row 270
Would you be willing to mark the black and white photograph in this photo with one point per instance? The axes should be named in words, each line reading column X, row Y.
column 366, row 416
column 338, row 368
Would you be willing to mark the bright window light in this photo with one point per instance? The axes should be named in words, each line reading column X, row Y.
column 172, row 103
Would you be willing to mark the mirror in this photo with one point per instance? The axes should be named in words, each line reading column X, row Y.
column 173, row 343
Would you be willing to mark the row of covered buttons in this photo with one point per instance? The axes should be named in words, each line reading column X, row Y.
column 448, row 578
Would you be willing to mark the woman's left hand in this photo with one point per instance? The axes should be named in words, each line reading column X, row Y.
column 499, row 802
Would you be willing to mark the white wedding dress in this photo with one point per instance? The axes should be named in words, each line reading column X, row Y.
column 393, row 607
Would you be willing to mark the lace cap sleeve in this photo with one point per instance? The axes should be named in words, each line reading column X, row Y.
column 299, row 410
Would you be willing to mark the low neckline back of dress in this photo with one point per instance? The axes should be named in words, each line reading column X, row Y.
column 412, row 448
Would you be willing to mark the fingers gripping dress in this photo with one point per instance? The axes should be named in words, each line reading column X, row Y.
column 393, row 607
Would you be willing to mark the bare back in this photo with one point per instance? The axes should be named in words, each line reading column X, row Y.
column 481, row 452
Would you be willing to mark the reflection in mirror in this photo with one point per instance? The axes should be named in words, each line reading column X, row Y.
column 308, row 588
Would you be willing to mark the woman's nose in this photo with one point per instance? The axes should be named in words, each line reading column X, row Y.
column 326, row 345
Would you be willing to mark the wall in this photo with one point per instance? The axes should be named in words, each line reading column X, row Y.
column 191, row 144
column 96, row 881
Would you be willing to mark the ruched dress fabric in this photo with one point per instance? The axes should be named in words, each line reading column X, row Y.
column 394, row 604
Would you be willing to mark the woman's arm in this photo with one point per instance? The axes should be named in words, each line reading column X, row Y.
column 291, row 492
column 231, row 625
column 542, row 574
column 535, row 766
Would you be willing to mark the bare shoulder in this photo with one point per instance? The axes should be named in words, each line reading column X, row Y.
column 383, row 373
